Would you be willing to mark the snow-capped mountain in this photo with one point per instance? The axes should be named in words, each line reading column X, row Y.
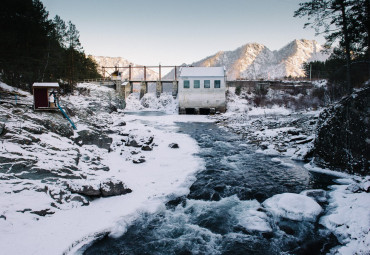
column 136, row 73
column 255, row 61
column 250, row 61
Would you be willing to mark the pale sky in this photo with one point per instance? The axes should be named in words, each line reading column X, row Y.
column 172, row 32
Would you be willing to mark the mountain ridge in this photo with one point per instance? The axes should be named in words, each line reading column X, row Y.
column 249, row 61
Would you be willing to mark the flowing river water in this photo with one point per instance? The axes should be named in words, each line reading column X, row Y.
column 222, row 214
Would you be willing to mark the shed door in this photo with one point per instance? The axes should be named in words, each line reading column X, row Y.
column 40, row 96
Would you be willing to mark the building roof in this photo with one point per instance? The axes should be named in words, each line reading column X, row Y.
column 46, row 84
column 202, row 71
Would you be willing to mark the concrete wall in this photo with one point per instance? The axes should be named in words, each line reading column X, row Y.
column 202, row 97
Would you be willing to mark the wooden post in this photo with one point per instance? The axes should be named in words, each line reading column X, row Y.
column 142, row 89
column 175, row 88
column 129, row 73
column 160, row 75
column 144, row 73
column 175, row 73
column 158, row 88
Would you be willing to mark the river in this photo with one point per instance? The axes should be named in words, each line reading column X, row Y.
column 222, row 214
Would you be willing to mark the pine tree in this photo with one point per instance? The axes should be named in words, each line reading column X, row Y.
column 342, row 21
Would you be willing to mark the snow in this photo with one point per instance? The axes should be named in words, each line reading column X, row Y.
column 46, row 84
column 166, row 174
column 6, row 87
column 293, row 206
column 165, row 103
column 275, row 110
column 255, row 61
column 348, row 218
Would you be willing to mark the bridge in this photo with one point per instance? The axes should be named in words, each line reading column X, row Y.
column 123, row 78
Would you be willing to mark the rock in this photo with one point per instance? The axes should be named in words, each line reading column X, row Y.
column 121, row 124
column 366, row 186
column 343, row 135
column 86, row 189
column 354, row 188
column 108, row 187
column 293, row 206
column 80, row 199
column 2, row 217
column 112, row 187
column 138, row 161
column 173, row 146
column 43, row 212
column 318, row 195
column 263, row 147
column 62, row 129
column 293, row 132
column 2, row 128
column 112, row 108
column 90, row 137
column 147, row 148
column 133, row 143
column 137, row 140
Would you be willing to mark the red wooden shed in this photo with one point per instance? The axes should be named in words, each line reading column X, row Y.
column 43, row 98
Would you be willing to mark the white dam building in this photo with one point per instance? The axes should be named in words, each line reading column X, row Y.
column 202, row 90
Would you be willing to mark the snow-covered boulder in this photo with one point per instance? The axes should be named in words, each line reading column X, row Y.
column 293, row 206
column 95, row 188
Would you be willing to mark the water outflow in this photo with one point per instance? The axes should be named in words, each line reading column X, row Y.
column 223, row 213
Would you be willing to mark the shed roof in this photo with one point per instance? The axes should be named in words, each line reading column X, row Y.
column 46, row 84
column 202, row 71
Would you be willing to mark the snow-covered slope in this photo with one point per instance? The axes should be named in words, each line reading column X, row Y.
column 255, row 61
column 136, row 73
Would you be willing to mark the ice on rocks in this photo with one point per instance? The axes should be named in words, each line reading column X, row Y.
column 293, row 206
column 348, row 218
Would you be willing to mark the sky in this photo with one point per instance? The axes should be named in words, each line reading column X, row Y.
column 173, row 32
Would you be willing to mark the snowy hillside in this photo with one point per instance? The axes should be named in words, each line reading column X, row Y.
column 137, row 73
column 255, row 61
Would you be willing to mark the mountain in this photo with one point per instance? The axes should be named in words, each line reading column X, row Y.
column 255, row 61
column 250, row 61
column 136, row 73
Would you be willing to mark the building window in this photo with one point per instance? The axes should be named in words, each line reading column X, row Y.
column 186, row 84
column 196, row 84
column 217, row 84
column 207, row 84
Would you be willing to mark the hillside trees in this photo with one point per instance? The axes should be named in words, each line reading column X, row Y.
column 345, row 22
column 35, row 48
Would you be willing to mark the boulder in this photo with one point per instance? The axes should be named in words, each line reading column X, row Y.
column 94, row 188
column 293, row 206
column 88, row 189
column 91, row 137
column 147, row 148
column 138, row 161
column 113, row 187
column 173, row 146
column 343, row 135
column 137, row 139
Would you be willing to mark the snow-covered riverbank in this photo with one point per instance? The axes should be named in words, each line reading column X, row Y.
column 165, row 174
column 42, row 158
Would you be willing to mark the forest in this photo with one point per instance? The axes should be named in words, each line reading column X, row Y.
column 35, row 48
